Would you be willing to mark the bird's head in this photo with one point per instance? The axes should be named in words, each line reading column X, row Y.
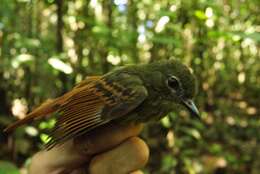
column 179, row 83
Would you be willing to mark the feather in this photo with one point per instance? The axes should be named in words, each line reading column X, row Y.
column 45, row 109
column 78, row 115
column 88, row 80
column 51, row 105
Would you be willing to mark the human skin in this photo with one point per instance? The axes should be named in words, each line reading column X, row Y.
column 113, row 149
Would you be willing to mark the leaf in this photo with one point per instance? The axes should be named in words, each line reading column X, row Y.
column 218, row 34
column 45, row 138
column 254, row 36
column 22, row 42
column 101, row 30
column 22, row 58
column 215, row 148
column 7, row 167
column 192, row 132
column 200, row 14
column 166, row 122
column 168, row 162
column 60, row 65
column 165, row 40
column 47, row 124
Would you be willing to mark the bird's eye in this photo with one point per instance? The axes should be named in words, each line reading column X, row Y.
column 173, row 82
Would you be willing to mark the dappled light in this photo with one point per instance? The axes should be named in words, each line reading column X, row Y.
column 19, row 108
column 60, row 65
column 161, row 23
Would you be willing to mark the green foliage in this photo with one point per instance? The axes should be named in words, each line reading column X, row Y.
column 220, row 40
column 7, row 166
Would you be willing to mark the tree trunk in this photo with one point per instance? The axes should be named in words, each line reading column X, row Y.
column 132, row 20
column 59, row 42
column 108, row 9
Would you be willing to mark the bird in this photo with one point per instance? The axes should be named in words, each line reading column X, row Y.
column 133, row 93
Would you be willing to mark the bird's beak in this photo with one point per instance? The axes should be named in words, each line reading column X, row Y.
column 189, row 104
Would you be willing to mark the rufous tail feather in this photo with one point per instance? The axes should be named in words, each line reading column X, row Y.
column 50, row 105
column 44, row 109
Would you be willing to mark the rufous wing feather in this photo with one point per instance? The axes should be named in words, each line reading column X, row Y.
column 45, row 109
column 80, row 114
column 49, row 106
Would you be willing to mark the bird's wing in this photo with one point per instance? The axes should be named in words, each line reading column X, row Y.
column 87, row 80
column 52, row 105
column 95, row 104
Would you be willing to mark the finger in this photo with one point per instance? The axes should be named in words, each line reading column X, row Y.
column 60, row 159
column 107, row 137
column 129, row 156
column 72, row 154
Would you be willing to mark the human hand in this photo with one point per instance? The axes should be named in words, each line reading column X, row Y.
column 113, row 149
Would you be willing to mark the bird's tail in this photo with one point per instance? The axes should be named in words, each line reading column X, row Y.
column 44, row 109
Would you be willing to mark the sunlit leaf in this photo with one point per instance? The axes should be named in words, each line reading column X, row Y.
column 32, row 131
column 22, row 58
column 60, row 65
column 166, row 122
column 44, row 138
column 47, row 124
column 200, row 14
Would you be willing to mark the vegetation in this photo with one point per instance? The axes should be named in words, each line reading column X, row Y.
column 48, row 46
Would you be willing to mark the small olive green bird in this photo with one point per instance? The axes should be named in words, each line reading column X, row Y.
column 134, row 93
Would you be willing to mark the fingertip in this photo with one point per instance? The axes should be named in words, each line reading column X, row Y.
column 129, row 156
column 141, row 150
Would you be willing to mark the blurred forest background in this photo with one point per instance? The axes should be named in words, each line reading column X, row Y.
column 47, row 46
